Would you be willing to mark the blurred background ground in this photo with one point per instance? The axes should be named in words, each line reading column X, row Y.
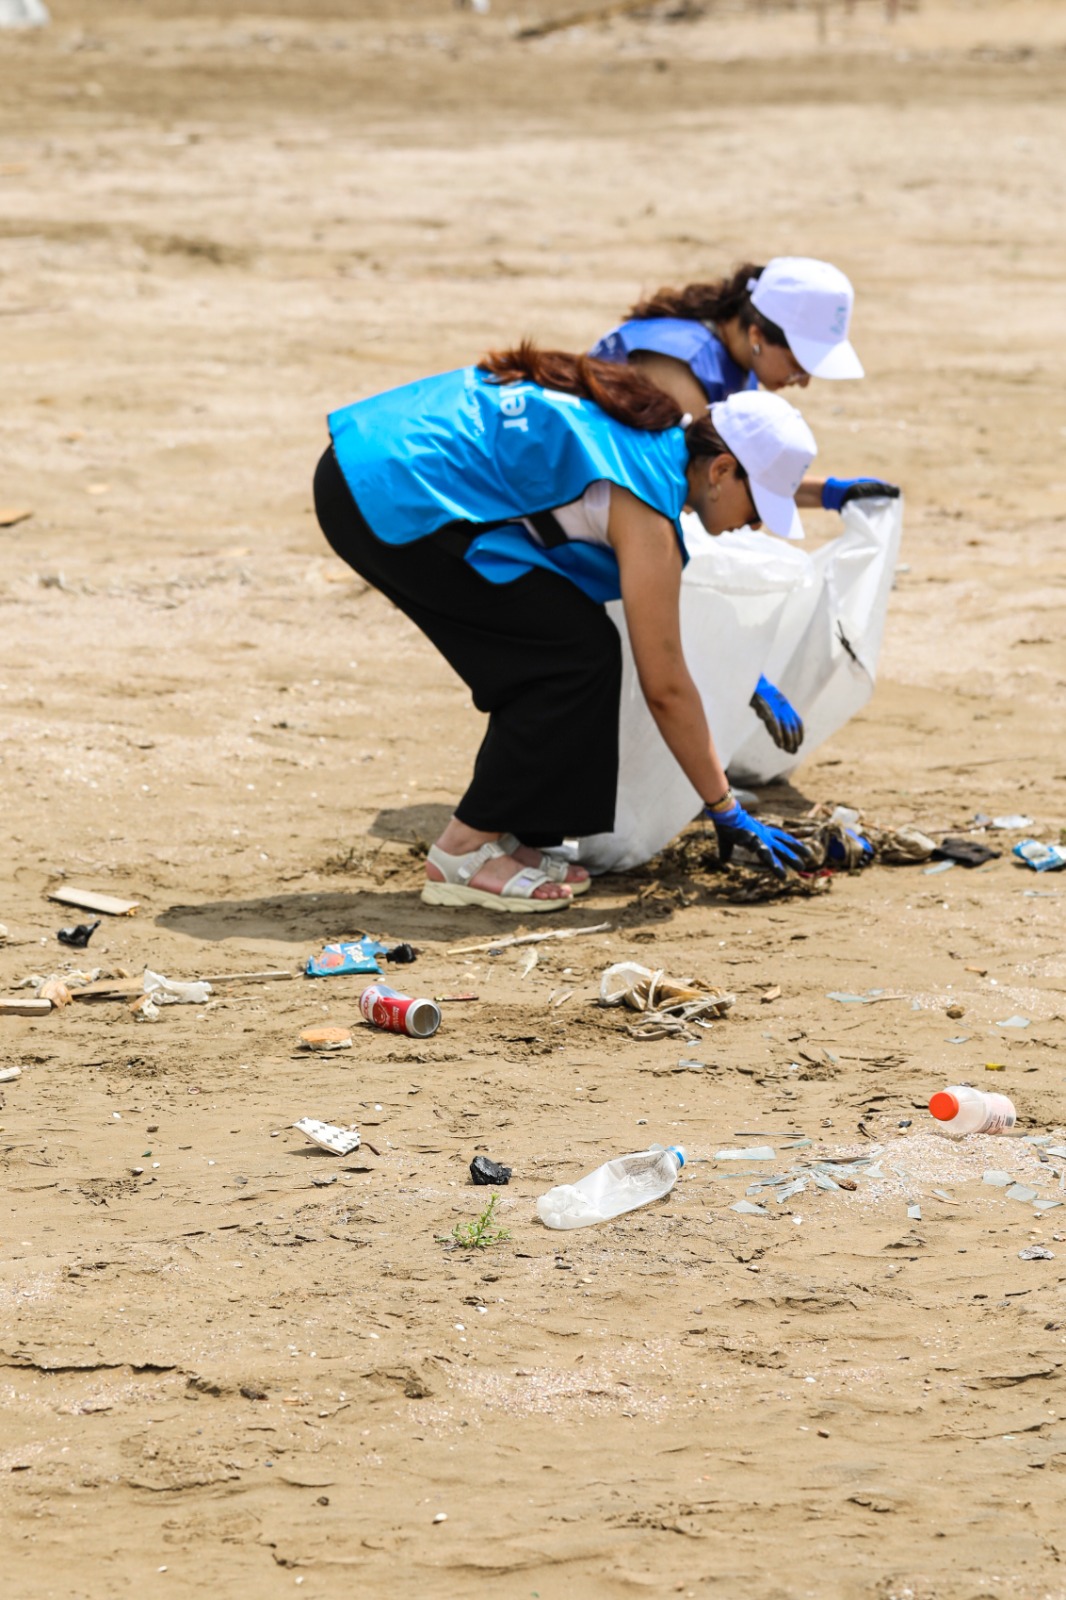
column 216, row 224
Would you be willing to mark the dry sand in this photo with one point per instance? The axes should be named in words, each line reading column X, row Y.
column 251, row 1366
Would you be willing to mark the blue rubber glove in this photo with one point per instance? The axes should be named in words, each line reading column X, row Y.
column 781, row 720
column 774, row 847
column 836, row 492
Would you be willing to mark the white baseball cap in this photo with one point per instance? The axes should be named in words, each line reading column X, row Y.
column 811, row 303
column 774, row 446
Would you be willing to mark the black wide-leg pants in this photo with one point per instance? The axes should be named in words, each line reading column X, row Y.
column 541, row 658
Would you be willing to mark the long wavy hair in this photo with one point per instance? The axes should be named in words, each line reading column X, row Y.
column 623, row 392
column 712, row 302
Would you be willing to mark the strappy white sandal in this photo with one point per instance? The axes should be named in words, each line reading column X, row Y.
column 553, row 869
column 515, row 895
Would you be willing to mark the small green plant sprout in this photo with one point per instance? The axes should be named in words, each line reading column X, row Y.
column 479, row 1234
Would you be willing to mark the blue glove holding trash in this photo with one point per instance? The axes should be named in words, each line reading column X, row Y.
column 775, row 848
column 780, row 719
column 836, row 492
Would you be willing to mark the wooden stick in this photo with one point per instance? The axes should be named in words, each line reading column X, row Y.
column 528, row 938
column 24, row 1008
column 126, row 988
column 248, row 977
column 601, row 13
column 982, row 761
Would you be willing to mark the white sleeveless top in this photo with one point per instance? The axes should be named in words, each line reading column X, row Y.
column 585, row 518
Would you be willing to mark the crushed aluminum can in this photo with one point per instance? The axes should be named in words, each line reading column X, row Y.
column 399, row 1013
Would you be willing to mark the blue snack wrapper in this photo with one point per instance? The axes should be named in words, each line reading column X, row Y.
column 1041, row 857
column 348, row 955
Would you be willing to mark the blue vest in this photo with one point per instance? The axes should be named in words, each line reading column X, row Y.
column 460, row 448
column 686, row 340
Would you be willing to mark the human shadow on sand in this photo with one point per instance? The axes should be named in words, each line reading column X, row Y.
column 418, row 824
column 314, row 918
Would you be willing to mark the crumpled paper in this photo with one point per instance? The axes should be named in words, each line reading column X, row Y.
column 901, row 846
column 160, row 990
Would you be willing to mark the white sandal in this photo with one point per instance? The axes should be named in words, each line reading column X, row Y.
column 553, row 869
column 515, row 895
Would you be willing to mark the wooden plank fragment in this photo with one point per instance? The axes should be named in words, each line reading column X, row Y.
column 109, row 989
column 89, row 900
column 15, row 1007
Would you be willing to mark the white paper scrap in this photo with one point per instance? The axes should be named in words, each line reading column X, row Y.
column 338, row 1141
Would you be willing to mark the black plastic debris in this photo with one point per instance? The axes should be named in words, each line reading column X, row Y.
column 483, row 1171
column 78, row 936
column 967, row 852
column 402, row 953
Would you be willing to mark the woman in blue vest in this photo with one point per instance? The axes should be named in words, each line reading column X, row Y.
column 499, row 507
column 778, row 326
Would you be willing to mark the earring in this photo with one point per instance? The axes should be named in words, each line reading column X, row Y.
column 756, row 349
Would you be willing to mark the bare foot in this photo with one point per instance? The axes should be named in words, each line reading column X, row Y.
column 459, row 840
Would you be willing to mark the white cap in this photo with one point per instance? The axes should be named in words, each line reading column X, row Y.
column 811, row 303
column 774, row 446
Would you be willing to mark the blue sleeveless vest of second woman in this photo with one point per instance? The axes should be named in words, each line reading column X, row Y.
column 462, row 449
column 686, row 340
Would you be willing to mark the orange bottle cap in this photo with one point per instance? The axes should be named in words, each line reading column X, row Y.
column 944, row 1106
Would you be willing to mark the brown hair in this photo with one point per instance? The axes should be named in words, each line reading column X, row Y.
column 712, row 302
column 623, row 392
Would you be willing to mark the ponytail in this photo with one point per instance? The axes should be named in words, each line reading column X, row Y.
column 623, row 392
column 712, row 302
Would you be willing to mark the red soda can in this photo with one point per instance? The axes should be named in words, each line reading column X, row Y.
column 398, row 1013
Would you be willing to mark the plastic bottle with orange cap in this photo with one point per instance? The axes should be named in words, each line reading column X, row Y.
column 963, row 1109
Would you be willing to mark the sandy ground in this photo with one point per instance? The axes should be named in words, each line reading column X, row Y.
column 214, row 227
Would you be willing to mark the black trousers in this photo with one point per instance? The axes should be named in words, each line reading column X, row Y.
column 537, row 654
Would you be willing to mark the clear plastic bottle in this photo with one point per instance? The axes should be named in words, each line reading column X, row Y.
column 619, row 1185
column 965, row 1110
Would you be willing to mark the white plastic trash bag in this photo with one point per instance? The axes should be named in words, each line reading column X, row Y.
column 732, row 599
column 23, row 14
column 824, row 658
column 754, row 606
